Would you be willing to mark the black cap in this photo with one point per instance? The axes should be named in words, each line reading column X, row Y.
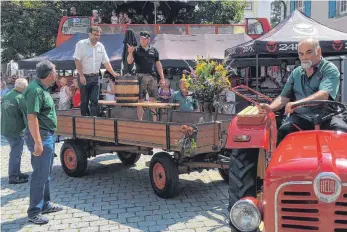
column 145, row 34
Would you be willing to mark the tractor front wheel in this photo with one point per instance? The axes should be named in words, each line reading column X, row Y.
column 242, row 174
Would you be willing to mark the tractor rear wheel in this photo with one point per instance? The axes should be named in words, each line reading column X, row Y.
column 242, row 174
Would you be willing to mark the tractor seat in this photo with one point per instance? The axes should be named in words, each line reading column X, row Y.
column 250, row 116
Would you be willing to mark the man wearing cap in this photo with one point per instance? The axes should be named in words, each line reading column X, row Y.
column 146, row 57
column 89, row 54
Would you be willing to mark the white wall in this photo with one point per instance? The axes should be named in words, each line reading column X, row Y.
column 319, row 12
column 261, row 9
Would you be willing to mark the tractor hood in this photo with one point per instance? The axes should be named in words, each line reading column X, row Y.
column 303, row 155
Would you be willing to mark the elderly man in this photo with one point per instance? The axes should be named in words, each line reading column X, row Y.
column 12, row 126
column 40, row 138
column 187, row 103
column 315, row 79
column 89, row 54
column 145, row 58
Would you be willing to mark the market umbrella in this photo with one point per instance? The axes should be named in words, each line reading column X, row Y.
column 130, row 39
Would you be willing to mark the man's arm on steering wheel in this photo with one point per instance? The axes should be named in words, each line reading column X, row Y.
column 281, row 100
column 327, row 90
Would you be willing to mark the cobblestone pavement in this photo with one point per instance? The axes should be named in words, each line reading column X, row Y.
column 113, row 197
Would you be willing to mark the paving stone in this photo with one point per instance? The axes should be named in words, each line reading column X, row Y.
column 111, row 197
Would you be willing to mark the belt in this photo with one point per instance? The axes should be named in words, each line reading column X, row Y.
column 91, row 75
column 148, row 74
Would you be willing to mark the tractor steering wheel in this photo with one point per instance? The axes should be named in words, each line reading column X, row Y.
column 330, row 109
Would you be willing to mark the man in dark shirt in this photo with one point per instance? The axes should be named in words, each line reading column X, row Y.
column 315, row 79
column 145, row 57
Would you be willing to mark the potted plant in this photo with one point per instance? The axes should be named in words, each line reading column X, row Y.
column 207, row 81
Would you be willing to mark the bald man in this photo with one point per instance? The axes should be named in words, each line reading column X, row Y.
column 315, row 79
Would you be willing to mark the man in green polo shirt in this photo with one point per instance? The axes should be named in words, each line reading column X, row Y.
column 12, row 126
column 315, row 79
column 40, row 139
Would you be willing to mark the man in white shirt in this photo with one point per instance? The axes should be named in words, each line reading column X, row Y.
column 89, row 54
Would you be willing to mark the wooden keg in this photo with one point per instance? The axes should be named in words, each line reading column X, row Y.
column 127, row 89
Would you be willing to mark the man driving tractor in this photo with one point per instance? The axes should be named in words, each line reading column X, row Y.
column 315, row 79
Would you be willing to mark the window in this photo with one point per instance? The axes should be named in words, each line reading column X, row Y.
column 74, row 25
column 299, row 5
column 343, row 7
column 249, row 5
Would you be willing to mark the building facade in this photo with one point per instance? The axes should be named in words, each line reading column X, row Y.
column 331, row 13
column 258, row 9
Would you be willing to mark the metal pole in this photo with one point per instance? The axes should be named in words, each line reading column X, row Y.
column 155, row 12
column 257, row 71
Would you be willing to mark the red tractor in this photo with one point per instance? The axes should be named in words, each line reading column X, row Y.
column 300, row 185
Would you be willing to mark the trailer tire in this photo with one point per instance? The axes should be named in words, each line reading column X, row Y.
column 224, row 173
column 128, row 158
column 164, row 176
column 242, row 174
column 73, row 159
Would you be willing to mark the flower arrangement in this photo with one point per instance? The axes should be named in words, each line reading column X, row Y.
column 208, row 80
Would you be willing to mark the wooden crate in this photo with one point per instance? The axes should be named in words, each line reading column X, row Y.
column 145, row 134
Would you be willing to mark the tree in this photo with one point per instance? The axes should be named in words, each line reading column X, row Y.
column 276, row 12
column 215, row 12
column 30, row 28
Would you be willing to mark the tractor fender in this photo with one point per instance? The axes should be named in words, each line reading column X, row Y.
column 262, row 135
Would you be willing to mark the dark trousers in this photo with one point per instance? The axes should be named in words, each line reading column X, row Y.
column 90, row 92
column 287, row 127
column 16, row 144
column 42, row 167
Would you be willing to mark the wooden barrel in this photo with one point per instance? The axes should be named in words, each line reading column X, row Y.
column 127, row 89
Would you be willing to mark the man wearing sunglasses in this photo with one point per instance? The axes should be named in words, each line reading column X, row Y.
column 89, row 54
column 146, row 57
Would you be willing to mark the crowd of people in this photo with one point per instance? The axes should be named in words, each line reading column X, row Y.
column 28, row 112
column 115, row 17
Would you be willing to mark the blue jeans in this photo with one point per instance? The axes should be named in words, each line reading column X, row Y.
column 42, row 168
column 90, row 92
column 16, row 144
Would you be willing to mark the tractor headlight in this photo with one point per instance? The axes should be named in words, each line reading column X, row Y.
column 245, row 215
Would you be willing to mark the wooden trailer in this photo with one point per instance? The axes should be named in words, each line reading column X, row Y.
column 120, row 132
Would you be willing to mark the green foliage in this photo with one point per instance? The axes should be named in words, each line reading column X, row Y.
column 215, row 12
column 30, row 28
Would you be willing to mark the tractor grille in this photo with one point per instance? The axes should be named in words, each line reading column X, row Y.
column 302, row 211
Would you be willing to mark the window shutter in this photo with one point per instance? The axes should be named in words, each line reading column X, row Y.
column 332, row 8
column 307, row 8
column 292, row 5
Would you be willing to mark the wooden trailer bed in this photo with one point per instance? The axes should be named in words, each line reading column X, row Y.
column 162, row 135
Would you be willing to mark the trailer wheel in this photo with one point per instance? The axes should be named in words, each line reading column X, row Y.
column 73, row 159
column 224, row 173
column 163, row 174
column 128, row 158
column 242, row 174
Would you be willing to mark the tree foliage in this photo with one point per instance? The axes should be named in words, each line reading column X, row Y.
column 29, row 28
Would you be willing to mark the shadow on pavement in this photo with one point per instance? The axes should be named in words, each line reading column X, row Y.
column 123, row 195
